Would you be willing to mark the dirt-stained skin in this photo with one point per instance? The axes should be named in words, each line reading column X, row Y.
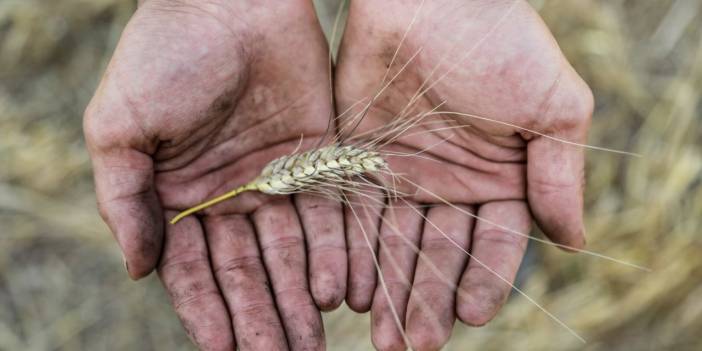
column 494, row 59
column 198, row 96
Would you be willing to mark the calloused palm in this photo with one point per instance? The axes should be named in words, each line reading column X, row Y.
column 492, row 59
column 198, row 97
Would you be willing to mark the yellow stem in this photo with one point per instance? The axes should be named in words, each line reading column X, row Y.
column 216, row 200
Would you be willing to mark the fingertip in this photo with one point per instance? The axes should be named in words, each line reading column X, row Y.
column 496, row 256
column 479, row 304
column 141, row 251
column 135, row 275
column 327, row 290
column 139, row 266
column 135, row 218
column 362, row 280
column 572, row 243
column 387, row 344
column 384, row 333
column 125, row 263
column 426, row 339
column 569, row 237
column 425, row 329
column 357, row 302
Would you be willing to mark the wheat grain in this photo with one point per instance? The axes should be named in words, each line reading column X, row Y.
column 330, row 165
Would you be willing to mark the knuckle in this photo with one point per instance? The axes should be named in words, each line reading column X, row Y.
column 323, row 229
column 545, row 186
column 567, row 105
column 397, row 287
column 335, row 250
column 183, row 261
column 238, row 264
column 393, row 242
column 360, row 245
column 91, row 126
column 98, row 134
column 193, row 291
column 431, row 283
column 502, row 238
column 254, row 308
column 283, row 243
column 111, row 124
column 103, row 211
column 192, row 295
column 587, row 101
column 315, row 205
column 576, row 106
column 293, row 292
column 294, row 298
column 245, row 274
column 438, row 245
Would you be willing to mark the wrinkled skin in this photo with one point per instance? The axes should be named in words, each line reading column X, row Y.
column 198, row 96
column 201, row 94
column 498, row 60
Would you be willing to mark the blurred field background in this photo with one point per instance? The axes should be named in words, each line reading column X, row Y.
column 62, row 284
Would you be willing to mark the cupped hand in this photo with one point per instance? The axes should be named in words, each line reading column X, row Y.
column 491, row 59
column 197, row 98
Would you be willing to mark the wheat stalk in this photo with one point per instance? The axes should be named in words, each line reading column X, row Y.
column 329, row 165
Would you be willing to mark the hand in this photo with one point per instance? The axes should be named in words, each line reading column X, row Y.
column 494, row 59
column 198, row 97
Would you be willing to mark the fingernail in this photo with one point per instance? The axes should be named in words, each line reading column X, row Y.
column 126, row 265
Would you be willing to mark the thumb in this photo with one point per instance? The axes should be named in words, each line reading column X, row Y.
column 555, row 170
column 124, row 182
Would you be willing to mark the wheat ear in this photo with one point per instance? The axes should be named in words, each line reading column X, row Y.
column 329, row 165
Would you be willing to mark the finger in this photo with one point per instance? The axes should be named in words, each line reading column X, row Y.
column 555, row 170
column 186, row 274
column 282, row 244
column 124, row 186
column 400, row 232
column 323, row 223
column 362, row 217
column 495, row 252
column 239, row 271
column 431, row 308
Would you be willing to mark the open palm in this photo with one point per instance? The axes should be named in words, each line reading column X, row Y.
column 196, row 100
column 491, row 59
